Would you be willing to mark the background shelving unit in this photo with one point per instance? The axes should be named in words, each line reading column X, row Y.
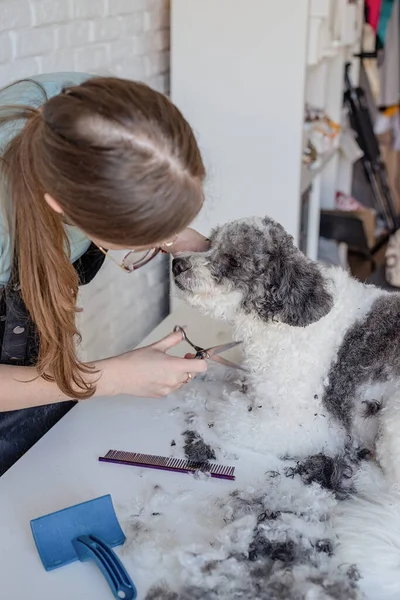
column 241, row 73
column 335, row 32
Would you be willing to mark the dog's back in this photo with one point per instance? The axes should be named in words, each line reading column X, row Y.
column 366, row 371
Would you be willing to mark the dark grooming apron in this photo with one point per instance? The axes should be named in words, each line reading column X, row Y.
column 19, row 345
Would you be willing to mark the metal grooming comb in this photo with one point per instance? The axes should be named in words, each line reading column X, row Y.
column 177, row 465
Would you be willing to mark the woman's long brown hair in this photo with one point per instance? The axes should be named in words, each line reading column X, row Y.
column 124, row 166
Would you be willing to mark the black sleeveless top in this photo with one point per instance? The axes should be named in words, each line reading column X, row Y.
column 19, row 345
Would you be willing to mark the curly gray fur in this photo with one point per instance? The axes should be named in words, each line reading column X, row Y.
column 161, row 592
column 279, row 561
column 280, row 586
column 196, row 450
column 370, row 352
column 332, row 473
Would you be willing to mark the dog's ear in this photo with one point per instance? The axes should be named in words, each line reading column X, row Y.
column 292, row 289
column 301, row 294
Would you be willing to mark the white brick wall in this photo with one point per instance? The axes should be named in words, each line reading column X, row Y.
column 104, row 36
column 128, row 38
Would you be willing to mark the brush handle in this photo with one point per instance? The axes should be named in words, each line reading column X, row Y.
column 90, row 547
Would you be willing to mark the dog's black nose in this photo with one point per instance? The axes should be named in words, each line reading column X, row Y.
column 180, row 265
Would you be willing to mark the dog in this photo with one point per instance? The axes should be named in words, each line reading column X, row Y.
column 322, row 350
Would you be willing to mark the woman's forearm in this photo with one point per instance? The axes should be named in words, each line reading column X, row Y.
column 20, row 387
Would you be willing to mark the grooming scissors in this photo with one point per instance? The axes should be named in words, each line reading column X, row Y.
column 213, row 352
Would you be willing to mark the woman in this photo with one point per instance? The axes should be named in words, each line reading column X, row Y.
column 88, row 165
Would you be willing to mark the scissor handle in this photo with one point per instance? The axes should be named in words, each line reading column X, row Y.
column 198, row 349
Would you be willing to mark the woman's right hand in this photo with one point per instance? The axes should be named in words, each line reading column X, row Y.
column 149, row 372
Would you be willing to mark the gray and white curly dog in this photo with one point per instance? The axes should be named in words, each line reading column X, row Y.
column 322, row 351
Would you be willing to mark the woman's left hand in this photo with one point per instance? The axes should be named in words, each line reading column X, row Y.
column 188, row 240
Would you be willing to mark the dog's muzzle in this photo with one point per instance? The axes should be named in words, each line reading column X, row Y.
column 181, row 266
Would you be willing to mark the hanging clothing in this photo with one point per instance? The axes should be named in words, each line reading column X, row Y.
column 19, row 340
column 389, row 68
column 384, row 19
column 373, row 12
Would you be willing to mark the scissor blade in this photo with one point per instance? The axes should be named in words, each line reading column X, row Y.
column 222, row 348
column 226, row 363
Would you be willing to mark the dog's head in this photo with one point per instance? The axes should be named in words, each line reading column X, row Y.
column 254, row 268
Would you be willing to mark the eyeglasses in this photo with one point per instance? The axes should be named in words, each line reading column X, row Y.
column 138, row 258
column 134, row 259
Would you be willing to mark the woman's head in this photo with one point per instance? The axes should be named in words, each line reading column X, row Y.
column 120, row 160
column 122, row 164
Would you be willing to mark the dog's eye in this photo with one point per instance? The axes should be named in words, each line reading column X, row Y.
column 233, row 262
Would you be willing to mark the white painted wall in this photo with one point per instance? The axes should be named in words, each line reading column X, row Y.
column 247, row 65
column 129, row 38
column 251, row 65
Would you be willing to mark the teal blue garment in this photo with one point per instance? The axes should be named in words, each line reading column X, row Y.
column 384, row 18
column 28, row 93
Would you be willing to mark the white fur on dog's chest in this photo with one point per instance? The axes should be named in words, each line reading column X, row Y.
column 288, row 376
column 293, row 368
column 289, row 372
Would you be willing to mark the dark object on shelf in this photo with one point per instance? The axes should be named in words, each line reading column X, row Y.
column 366, row 55
column 374, row 166
column 304, row 218
column 348, row 228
